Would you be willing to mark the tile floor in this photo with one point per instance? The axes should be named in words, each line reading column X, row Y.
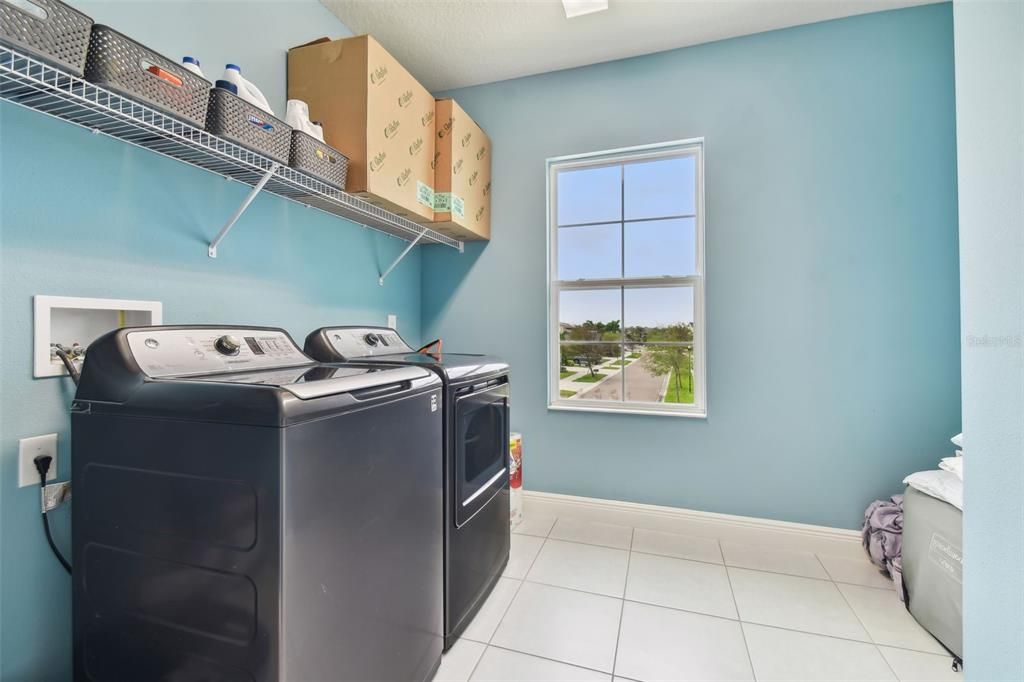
column 594, row 601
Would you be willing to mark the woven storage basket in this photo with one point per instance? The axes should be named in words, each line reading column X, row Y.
column 234, row 119
column 47, row 29
column 118, row 63
column 312, row 156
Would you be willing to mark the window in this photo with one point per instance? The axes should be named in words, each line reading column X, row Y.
column 626, row 280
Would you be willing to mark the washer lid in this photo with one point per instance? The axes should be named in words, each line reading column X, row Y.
column 318, row 381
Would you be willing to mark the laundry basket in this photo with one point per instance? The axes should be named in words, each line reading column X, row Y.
column 118, row 63
column 47, row 29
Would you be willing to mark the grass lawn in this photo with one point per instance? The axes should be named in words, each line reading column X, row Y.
column 566, row 394
column 617, row 363
column 676, row 395
column 564, row 374
column 588, row 379
column 632, row 356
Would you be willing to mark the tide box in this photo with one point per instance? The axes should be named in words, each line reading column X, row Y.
column 462, row 174
column 378, row 115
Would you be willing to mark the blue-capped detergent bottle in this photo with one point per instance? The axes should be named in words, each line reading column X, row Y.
column 244, row 89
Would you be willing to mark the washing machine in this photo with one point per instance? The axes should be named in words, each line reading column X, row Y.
column 242, row 512
column 476, row 437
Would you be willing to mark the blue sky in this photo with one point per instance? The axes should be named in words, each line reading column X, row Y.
column 653, row 248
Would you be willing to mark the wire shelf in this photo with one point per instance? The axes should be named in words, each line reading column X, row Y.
column 30, row 83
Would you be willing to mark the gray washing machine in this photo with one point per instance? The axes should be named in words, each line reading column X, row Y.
column 476, row 498
column 242, row 512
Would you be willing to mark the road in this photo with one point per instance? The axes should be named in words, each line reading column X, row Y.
column 641, row 385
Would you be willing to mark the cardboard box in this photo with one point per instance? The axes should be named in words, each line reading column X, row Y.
column 462, row 174
column 374, row 112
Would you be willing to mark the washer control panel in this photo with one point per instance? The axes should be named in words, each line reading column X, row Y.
column 363, row 342
column 184, row 352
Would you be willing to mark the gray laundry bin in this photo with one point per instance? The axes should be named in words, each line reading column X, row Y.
column 933, row 566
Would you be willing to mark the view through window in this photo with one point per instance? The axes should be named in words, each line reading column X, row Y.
column 626, row 280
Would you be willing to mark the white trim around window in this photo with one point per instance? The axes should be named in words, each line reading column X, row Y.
column 695, row 281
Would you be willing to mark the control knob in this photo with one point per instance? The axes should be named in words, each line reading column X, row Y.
column 372, row 339
column 227, row 345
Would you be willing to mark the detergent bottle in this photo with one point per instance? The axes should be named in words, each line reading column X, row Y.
column 192, row 64
column 246, row 90
column 297, row 116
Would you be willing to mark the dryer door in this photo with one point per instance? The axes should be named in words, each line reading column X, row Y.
column 481, row 447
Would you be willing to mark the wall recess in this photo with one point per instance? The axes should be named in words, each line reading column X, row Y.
column 68, row 320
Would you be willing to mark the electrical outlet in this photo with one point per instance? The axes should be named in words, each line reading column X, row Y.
column 393, row 321
column 28, row 450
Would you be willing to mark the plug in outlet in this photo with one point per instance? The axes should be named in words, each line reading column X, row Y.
column 28, row 450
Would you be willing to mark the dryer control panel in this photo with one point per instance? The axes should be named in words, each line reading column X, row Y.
column 364, row 342
column 209, row 350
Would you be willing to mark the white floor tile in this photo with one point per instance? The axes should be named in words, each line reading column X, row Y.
column 592, row 533
column 665, row 644
column 855, row 571
column 678, row 546
column 916, row 666
column 535, row 524
column 524, row 550
column 680, row 584
column 887, row 619
column 458, row 663
column 581, row 567
column 501, row 665
column 775, row 560
column 788, row 656
column 486, row 620
column 564, row 625
column 787, row 601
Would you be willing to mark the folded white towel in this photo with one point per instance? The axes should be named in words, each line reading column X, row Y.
column 940, row 484
column 954, row 465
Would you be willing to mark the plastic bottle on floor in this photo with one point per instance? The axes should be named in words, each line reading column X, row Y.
column 515, row 478
column 246, row 90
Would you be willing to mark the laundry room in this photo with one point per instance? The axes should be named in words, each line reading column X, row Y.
column 521, row 340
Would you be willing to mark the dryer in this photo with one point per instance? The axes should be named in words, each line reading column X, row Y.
column 244, row 513
column 477, row 531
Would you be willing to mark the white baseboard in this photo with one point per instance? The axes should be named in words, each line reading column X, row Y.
column 744, row 529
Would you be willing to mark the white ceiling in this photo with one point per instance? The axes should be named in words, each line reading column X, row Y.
column 450, row 44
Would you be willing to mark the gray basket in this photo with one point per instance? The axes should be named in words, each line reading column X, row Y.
column 47, row 29
column 118, row 63
column 312, row 156
column 234, row 119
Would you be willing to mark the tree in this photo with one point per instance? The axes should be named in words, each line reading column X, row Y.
column 677, row 360
column 590, row 354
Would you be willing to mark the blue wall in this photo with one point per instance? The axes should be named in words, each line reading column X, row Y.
column 990, row 136
column 84, row 215
column 832, row 292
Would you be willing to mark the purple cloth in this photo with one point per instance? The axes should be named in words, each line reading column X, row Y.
column 882, row 534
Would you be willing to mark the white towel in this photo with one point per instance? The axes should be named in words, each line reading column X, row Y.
column 940, row 484
column 954, row 465
column 958, row 440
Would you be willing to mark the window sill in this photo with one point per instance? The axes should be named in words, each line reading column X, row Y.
column 694, row 414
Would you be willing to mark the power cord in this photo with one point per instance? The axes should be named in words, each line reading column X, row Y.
column 42, row 463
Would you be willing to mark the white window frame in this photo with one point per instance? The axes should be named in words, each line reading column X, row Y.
column 698, row 281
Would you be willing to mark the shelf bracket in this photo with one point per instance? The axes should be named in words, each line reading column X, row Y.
column 402, row 255
column 212, row 251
